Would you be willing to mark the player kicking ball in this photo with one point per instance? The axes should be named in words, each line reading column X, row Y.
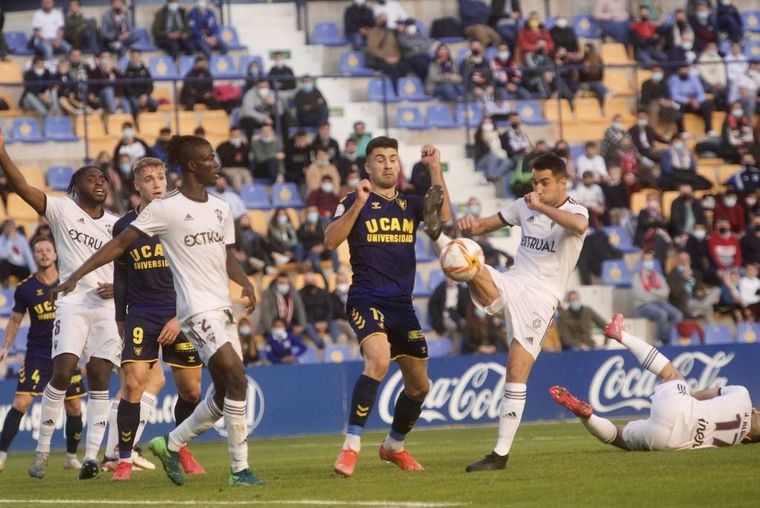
column 553, row 227
column 679, row 420
column 381, row 227
column 31, row 296
column 197, row 233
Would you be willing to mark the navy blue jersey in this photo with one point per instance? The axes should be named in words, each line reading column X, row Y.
column 142, row 277
column 381, row 245
column 32, row 296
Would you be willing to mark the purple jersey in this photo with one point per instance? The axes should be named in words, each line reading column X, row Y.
column 32, row 296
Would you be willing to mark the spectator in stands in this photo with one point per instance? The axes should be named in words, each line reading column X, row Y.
column 311, row 106
column 67, row 89
column 566, row 84
column 507, row 77
column 687, row 293
column 514, row 139
column 40, row 94
column 736, row 135
column 590, row 160
column 750, row 243
column 348, row 159
column 686, row 212
column 736, row 63
column 724, row 247
column 591, row 74
column 47, row 31
column 354, row 175
column 250, row 249
column 234, row 157
column 311, row 236
column 253, row 75
column 745, row 89
column 260, row 107
column 596, row 250
column 613, row 135
column 697, row 244
column 78, row 31
column 205, row 32
column 747, row 179
column 644, row 137
column 324, row 198
column 686, row 89
column 651, row 226
column 729, row 208
column 645, row 38
column 319, row 168
column 283, row 240
column 171, row 30
column 415, row 48
column 268, row 155
column 749, row 292
column 16, row 258
column 655, row 98
column 116, row 28
column 537, row 75
column 79, row 70
column 237, row 207
column 250, row 349
column 576, row 322
column 281, row 75
column 679, row 166
column 679, row 32
column 297, row 157
column 198, row 86
column 383, row 52
column 705, row 27
column 490, row 157
column 443, row 79
column 325, row 141
column 447, row 308
column 614, row 19
column 563, row 35
column 712, row 72
column 338, row 302
column 532, row 32
column 107, row 88
column 651, row 293
column 730, row 21
column 319, row 315
column 138, row 91
column 505, row 19
column 357, row 20
column 283, row 346
column 362, row 138
column 130, row 145
column 590, row 195
column 391, row 10
column 683, row 53
column 730, row 300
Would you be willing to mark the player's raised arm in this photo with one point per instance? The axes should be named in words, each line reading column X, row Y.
column 11, row 330
column 477, row 226
column 237, row 275
column 110, row 251
column 431, row 157
column 339, row 229
column 575, row 222
column 18, row 184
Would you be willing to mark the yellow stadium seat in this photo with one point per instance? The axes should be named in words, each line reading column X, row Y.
column 552, row 112
column 641, row 76
column 618, row 81
column 188, row 121
column 294, row 217
column 115, row 121
column 164, row 95
column 667, row 201
column 614, row 53
column 10, row 72
column 708, row 172
column 639, row 199
column 95, row 127
column 3, row 215
column 152, row 123
column 725, row 172
column 259, row 221
column 618, row 106
column 215, row 121
column 97, row 145
column 19, row 210
column 34, row 176
column 575, row 131
column 694, row 125
column 587, row 109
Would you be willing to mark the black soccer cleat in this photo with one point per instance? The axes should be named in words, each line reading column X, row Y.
column 491, row 462
column 89, row 470
column 431, row 211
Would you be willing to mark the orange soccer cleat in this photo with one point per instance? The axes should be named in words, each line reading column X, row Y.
column 564, row 398
column 402, row 459
column 122, row 472
column 188, row 462
column 346, row 462
column 614, row 329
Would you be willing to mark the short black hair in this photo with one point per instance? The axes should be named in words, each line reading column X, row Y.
column 76, row 178
column 182, row 149
column 551, row 162
column 381, row 142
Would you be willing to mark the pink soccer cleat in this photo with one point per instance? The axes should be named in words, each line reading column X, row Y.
column 402, row 459
column 614, row 329
column 564, row 398
column 346, row 462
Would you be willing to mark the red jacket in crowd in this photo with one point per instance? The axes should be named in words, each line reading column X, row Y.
column 725, row 251
column 734, row 215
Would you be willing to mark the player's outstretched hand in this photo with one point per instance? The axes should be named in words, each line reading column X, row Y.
column 363, row 189
column 249, row 293
column 3, row 353
column 169, row 332
column 63, row 288
column 469, row 224
column 105, row 290
column 431, row 156
column 533, row 201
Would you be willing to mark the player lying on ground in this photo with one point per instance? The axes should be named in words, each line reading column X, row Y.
column 84, row 325
column 31, row 296
column 198, row 236
column 552, row 228
column 679, row 420
column 381, row 227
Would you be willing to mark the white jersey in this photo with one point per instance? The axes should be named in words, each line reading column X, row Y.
column 548, row 253
column 77, row 237
column 195, row 236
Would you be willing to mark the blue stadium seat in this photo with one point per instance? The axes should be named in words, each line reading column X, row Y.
column 18, row 43
column 375, row 91
column 531, row 113
column 230, row 37
column 412, row 89
column 21, row 341
column 310, row 355
column 620, row 238
column 59, row 128
column 461, row 55
column 59, row 177
column 421, row 28
column 439, row 347
column 750, row 19
column 352, row 64
column 469, row 114
column 422, row 250
column 576, row 150
column 286, row 195
column 441, row 117
column 337, row 353
column 550, row 22
column 185, row 64
column 748, row 332
column 718, row 334
column 245, row 61
column 616, row 273
column 142, row 40
column 327, row 34
column 27, row 130
column 421, row 289
column 410, row 117
column 255, row 197
column 163, row 67
column 436, row 277
column 122, row 63
column 752, row 49
column 222, row 66
column 586, row 27
column 6, row 302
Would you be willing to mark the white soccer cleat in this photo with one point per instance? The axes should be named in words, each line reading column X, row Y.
column 71, row 462
column 3, row 458
column 140, row 462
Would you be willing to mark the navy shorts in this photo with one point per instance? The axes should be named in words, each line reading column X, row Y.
column 36, row 372
column 141, row 331
column 396, row 319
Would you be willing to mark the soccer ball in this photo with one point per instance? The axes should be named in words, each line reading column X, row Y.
column 462, row 259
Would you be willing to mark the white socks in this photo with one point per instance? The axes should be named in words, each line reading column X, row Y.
column 512, row 405
column 648, row 355
column 441, row 242
column 147, row 404
column 601, row 428
column 52, row 402
column 353, row 442
column 204, row 417
column 97, row 419
column 112, row 439
column 393, row 445
column 237, row 434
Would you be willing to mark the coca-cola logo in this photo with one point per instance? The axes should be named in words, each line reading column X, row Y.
column 475, row 394
column 616, row 387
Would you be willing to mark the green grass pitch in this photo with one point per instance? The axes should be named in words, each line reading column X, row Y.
column 555, row 464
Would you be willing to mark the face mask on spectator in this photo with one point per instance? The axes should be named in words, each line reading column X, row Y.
column 561, row 22
column 312, row 217
column 657, row 77
column 128, row 133
column 703, row 15
column 730, row 202
column 264, row 92
column 515, row 125
column 342, row 287
column 723, row 230
column 618, row 126
column 279, row 333
column 411, row 29
column 575, row 306
column 39, row 71
column 487, row 127
column 533, row 23
column 236, row 142
column 475, row 51
column 750, row 201
column 351, row 182
column 125, row 167
column 642, row 123
column 738, row 113
column 174, row 7
column 504, row 55
column 678, row 145
column 359, row 2
column 479, row 313
column 700, row 234
column 648, row 264
column 283, row 288
column 307, row 87
column 245, row 330
column 725, row 2
column 282, row 220
column 687, row 45
column 474, row 210
column 327, row 187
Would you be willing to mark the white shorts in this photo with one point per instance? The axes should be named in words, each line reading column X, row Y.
column 86, row 332
column 528, row 313
column 669, row 424
column 208, row 331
